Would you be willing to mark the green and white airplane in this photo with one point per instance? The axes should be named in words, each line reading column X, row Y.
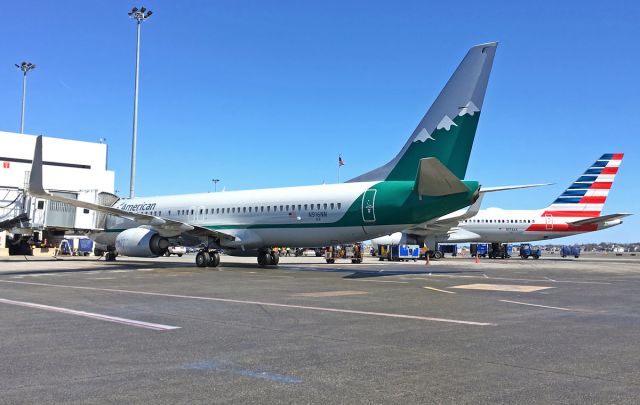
column 421, row 183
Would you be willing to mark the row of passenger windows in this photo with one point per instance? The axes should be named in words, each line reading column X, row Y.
column 498, row 221
column 254, row 209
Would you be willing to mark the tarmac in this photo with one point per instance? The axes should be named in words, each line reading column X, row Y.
column 81, row 330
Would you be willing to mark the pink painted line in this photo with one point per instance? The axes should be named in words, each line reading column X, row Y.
column 100, row 317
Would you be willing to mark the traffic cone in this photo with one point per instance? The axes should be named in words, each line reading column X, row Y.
column 477, row 258
column 426, row 262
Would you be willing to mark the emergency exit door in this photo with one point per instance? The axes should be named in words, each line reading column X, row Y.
column 368, row 206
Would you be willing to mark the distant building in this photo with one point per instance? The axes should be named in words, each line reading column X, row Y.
column 75, row 169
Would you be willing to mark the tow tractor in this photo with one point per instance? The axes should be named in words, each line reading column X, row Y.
column 353, row 252
column 526, row 251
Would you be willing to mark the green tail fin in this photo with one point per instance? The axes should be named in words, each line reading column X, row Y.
column 448, row 129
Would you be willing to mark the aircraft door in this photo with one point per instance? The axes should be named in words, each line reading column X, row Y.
column 368, row 206
column 548, row 222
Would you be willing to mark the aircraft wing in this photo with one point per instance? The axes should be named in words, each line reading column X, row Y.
column 600, row 220
column 163, row 225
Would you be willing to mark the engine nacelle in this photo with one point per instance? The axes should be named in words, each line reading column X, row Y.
column 141, row 242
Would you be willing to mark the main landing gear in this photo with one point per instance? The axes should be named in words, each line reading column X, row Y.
column 206, row 258
column 268, row 258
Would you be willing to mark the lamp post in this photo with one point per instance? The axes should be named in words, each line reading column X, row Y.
column 215, row 184
column 24, row 67
column 138, row 15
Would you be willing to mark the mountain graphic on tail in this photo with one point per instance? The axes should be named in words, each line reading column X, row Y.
column 447, row 130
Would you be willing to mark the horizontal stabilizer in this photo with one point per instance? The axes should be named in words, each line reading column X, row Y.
column 435, row 180
column 503, row 188
column 600, row 220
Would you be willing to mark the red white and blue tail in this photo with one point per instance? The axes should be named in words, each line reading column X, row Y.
column 585, row 198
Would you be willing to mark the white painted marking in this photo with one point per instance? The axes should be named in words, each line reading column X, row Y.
column 101, row 278
column 544, row 306
column 123, row 321
column 120, row 271
column 437, row 289
column 502, row 287
column 268, row 304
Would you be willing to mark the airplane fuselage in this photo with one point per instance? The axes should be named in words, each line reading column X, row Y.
column 295, row 216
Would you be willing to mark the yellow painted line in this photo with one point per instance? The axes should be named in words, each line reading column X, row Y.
column 437, row 289
column 322, row 294
column 502, row 287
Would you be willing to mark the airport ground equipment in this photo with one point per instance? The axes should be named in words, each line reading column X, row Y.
column 176, row 250
column 479, row 249
column 527, row 251
column 451, row 248
column 569, row 250
column 500, row 251
column 347, row 252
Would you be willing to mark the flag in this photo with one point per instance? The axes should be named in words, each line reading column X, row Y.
column 340, row 161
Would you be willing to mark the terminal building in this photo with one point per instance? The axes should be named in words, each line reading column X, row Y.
column 74, row 169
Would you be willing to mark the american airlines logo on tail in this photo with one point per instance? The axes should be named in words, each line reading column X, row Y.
column 585, row 198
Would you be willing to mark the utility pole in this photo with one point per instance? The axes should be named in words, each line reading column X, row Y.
column 215, row 184
column 138, row 15
column 24, row 67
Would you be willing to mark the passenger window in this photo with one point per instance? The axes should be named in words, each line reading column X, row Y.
column 299, row 207
column 325, row 206
column 305, row 207
column 281, row 208
column 262, row 209
column 339, row 205
column 287, row 208
column 331, row 205
column 268, row 208
column 244, row 209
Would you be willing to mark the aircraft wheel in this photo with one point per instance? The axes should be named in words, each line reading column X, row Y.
column 536, row 257
column 275, row 258
column 331, row 261
column 214, row 259
column 202, row 259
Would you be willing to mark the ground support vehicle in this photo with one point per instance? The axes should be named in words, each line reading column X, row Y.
column 500, row 250
column 176, row 250
column 399, row 253
column 570, row 251
column 479, row 249
column 526, row 251
column 448, row 248
column 353, row 252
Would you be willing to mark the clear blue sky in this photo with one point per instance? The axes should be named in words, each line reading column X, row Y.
column 263, row 94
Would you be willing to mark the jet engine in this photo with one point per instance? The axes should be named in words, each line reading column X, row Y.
column 141, row 242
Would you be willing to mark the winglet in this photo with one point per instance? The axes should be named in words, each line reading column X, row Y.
column 435, row 180
column 35, row 179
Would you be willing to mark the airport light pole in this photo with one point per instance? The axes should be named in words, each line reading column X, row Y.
column 215, row 184
column 138, row 15
column 24, row 67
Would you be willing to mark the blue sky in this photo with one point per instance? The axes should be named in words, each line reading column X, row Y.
column 262, row 94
